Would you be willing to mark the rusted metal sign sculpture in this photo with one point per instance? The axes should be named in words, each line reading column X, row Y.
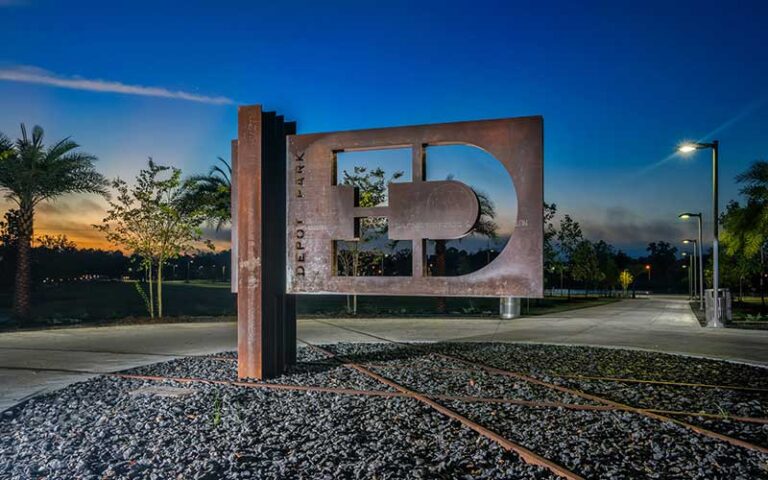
column 290, row 212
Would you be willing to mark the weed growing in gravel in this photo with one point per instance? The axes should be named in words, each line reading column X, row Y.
column 217, row 410
column 722, row 411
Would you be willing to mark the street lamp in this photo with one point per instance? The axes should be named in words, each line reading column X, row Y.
column 648, row 269
column 697, row 252
column 698, row 216
column 691, row 275
column 687, row 148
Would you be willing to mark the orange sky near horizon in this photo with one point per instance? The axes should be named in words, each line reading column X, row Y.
column 75, row 215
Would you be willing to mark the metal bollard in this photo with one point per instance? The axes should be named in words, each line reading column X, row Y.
column 509, row 307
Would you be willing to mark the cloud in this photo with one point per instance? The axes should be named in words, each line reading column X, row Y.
column 626, row 229
column 65, row 207
column 44, row 77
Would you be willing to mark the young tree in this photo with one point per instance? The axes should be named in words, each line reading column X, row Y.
column 568, row 238
column 150, row 220
column 31, row 173
column 585, row 265
column 606, row 259
column 372, row 189
column 626, row 279
column 551, row 261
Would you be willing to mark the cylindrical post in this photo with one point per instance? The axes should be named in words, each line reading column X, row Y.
column 701, row 268
column 691, row 277
column 509, row 307
column 715, row 240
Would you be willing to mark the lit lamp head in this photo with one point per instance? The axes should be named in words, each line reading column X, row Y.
column 687, row 148
column 689, row 240
column 647, row 267
column 687, row 215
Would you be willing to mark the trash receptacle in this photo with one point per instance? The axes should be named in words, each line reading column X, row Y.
column 724, row 305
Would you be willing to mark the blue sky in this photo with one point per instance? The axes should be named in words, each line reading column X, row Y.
column 619, row 85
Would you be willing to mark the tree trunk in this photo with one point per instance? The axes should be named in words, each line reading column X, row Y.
column 151, row 291
column 355, row 266
column 160, row 289
column 762, row 283
column 22, row 290
column 440, row 271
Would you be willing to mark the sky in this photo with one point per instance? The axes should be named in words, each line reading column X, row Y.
column 619, row 85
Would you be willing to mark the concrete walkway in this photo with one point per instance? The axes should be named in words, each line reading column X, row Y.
column 36, row 362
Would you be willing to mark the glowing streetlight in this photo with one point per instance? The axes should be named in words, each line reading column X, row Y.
column 715, row 145
column 697, row 216
column 686, row 148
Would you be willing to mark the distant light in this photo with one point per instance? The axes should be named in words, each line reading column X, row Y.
column 685, row 254
column 647, row 267
column 686, row 148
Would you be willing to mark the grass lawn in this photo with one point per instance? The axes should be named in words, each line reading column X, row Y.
column 94, row 302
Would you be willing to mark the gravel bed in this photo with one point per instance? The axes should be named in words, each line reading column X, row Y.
column 306, row 374
column 549, row 360
column 98, row 429
column 473, row 383
column 111, row 427
column 303, row 354
column 755, row 433
column 617, row 445
column 379, row 352
column 668, row 397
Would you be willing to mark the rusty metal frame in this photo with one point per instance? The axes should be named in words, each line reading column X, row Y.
column 313, row 209
column 266, row 315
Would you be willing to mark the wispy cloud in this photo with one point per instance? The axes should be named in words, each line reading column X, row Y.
column 44, row 77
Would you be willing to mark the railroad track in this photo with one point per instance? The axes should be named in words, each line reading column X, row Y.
column 656, row 414
column 436, row 401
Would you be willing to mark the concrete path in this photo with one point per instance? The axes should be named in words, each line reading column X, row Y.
column 36, row 362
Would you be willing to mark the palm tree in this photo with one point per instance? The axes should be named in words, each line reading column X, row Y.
column 211, row 193
column 30, row 173
column 484, row 227
column 745, row 228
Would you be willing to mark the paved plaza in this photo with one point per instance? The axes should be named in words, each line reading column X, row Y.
column 38, row 361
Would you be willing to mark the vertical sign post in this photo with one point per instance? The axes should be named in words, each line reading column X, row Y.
column 266, row 316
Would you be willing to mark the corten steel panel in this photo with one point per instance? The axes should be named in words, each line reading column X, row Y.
column 314, row 223
column 266, row 315
column 233, row 270
column 249, row 288
column 444, row 209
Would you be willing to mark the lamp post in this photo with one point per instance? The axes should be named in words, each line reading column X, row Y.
column 648, row 269
column 715, row 145
column 189, row 262
column 697, row 253
column 691, row 275
column 698, row 217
